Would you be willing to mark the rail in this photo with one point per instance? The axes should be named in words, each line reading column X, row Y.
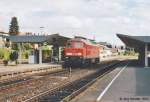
column 74, row 94
column 10, row 76
column 66, row 99
column 26, row 80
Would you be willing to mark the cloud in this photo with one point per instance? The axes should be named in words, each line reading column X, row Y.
column 102, row 18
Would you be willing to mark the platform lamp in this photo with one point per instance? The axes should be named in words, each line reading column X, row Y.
column 41, row 28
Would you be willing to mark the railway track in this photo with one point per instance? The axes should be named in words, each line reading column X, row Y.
column 69, row 90
column 88, row 82
column 27, row 88
column 11, row 77
column 35, row 87
column 26, row 80
column 23, row 79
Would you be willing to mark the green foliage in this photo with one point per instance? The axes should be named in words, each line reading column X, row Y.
column 132, row 53
column 5, row 54
column 25, row 54
column 46, row 54
column 45, row 44
column 1, row 54
column 15, row 46
column 26, row 46
column 45, row 47
column 14, row 28
column 7, row 43
column 129, row 52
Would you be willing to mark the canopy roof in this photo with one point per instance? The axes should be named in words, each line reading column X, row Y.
column 134, row 41
column 38, row 39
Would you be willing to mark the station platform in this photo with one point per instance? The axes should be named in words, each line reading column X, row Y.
column 32, row 68
column 127, row 83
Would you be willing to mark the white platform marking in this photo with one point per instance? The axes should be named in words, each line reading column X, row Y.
column 104, row 91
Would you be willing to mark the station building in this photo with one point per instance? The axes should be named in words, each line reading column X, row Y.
column 57, row 41
column 140, row 44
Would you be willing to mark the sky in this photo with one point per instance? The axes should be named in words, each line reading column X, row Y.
column 99, row 19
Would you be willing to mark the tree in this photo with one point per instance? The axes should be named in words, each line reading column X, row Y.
column 14, row 28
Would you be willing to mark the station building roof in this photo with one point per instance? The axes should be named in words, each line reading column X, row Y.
column 135, row 41
column 37, row 39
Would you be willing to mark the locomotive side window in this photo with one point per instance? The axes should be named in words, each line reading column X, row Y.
column 78, row 45
column 69, row 45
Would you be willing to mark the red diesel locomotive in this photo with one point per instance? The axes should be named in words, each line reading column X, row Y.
column 79, row 51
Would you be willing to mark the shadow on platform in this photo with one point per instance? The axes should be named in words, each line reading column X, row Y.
column 142, row 76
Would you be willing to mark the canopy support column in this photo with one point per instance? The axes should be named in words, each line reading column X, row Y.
column 40, row 54
column 20, row 53
column 146, row 58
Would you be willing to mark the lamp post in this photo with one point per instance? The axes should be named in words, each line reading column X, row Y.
column 41, row 29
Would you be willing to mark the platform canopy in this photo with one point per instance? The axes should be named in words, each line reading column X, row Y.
column 53, row 39
column 140, row 43
column 38, row 39
column 134, row 41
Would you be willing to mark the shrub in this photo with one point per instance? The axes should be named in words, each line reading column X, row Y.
column 46, row 54
column 25, row 54
column 1, row 54
column 5, row 53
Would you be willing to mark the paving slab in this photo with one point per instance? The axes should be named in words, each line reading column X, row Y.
column 25, row 67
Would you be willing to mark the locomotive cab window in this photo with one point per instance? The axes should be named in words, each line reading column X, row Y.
column 78, row 45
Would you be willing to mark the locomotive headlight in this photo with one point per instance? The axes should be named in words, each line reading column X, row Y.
column 79, row 53
column 68, row 53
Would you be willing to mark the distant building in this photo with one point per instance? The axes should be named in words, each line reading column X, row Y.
column 105, row 44
column 121, row 49
column 105, row 51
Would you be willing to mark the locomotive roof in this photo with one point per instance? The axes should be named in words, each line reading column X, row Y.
column 87, row 41
column 80, row 37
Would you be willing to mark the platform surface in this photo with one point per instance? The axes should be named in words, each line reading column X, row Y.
column 24, row 67
column 131, row 85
